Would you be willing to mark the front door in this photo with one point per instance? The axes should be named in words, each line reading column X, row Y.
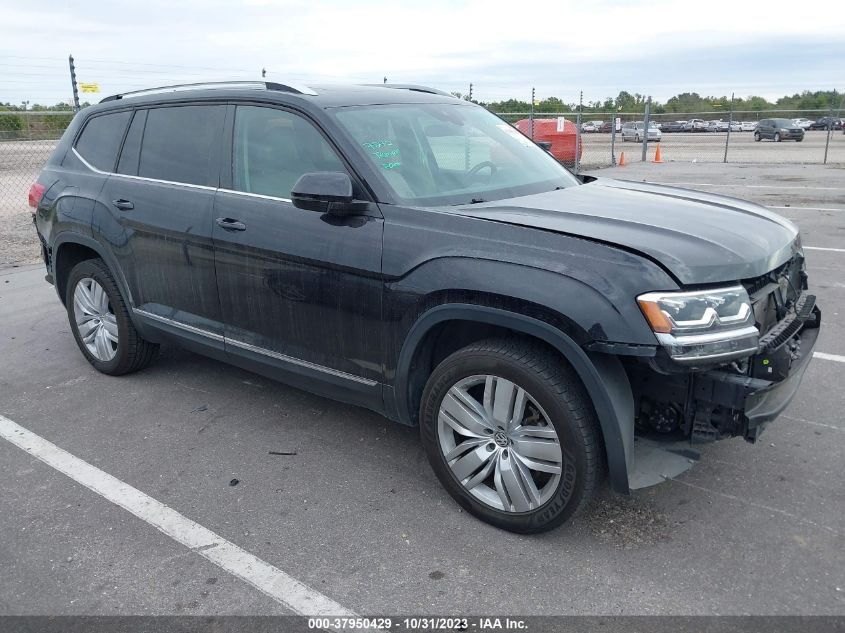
column 299, row 290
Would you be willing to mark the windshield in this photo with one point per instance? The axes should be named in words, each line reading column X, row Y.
column 783, row 122
column 430, row 154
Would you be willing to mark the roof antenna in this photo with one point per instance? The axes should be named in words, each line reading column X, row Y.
column 263, row 73
column 385, row 80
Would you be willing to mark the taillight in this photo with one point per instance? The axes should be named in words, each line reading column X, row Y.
column 36, row 192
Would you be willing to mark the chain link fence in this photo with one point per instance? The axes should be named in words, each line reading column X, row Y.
column 603, row 137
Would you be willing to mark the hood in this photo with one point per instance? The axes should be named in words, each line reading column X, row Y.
column 700, row 238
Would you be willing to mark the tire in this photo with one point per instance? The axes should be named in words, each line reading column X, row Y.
column 757, row 137
column 776, row 137
column 637, row 139
column 798, row 140
column 488, row 474
column 99, row 320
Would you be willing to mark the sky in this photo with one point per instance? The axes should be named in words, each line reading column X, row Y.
column 504, row 49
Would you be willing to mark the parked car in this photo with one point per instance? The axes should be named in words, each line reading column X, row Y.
column 633, row 131
column 402, row 250
column 588, row 126
column 736, row 126
column 748, row 126
column 605, row 127
column 673, row 126
column 804, row 124
column 717, row 126
column 822, row 123
column 695, row 125
column 778, row 130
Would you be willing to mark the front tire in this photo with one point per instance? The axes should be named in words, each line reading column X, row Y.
column 511, row 434
column 776, row 137
column 99, row 320
column 757, row 136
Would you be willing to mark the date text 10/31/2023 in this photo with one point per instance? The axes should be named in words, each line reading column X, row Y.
column 420, row 623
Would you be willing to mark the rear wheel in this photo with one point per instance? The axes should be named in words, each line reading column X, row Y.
column 777, row 137
column 99, row 319
column 511, row 434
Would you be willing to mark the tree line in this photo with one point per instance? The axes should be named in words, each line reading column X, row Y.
column 684, row 103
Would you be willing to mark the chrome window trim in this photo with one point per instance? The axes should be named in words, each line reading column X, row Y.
column 300, row 362
column 256, row 349
column 141, row 178
column 178, row 324
column 255, row 195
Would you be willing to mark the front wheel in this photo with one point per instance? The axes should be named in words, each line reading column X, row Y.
column 99, row 320
column 757, row 136
column 511, row 434
column 777, row 137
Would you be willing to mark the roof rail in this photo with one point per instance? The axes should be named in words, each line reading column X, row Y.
column 414, row 87
column 216, row 85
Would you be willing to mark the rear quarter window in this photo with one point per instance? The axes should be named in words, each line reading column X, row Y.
column 101, row 138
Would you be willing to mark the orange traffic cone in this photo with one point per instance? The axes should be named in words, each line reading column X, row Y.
column 622, row 159
column 657, row 155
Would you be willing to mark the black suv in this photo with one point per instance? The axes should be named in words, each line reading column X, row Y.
column 778, row 130
column 405, row 251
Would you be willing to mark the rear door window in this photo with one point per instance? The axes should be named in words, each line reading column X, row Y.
column 181, row 144
column 100, row 140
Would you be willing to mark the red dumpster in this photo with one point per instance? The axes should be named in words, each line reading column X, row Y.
column 563, row 143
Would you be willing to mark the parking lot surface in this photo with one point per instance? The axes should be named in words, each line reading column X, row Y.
column 352, row 509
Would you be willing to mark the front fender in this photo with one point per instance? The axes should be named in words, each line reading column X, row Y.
column 602, row 375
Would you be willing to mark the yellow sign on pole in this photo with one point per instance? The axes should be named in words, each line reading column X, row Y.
column 89, row 87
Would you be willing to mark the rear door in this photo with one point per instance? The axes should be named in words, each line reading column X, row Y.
column 157, row 214
column 299, row 290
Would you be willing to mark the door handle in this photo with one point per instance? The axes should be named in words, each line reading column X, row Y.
column 228, row 224
column 123, row 205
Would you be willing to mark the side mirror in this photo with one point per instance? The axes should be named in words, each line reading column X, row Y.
column 324, row 191
column 546, row 145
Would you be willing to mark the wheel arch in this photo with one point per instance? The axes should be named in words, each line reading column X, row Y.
column 602, row 375
column 70, row 248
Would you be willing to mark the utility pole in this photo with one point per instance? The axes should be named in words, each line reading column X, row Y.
column 531, row 117
column 830, row 125
column 73, row 83
column 645, row 127
column 578, row 133
column 730, row 121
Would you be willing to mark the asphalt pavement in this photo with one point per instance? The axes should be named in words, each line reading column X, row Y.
column 352, row 510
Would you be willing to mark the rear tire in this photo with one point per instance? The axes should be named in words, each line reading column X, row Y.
column 776, row 137
column 99, row 320
column 528, row 454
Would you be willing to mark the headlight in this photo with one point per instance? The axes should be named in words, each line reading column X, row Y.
column 702, row 326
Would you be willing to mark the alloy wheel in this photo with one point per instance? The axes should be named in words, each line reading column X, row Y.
column 95, row 320
column 499, row 443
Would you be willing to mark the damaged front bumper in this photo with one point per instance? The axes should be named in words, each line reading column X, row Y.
column 720, row 403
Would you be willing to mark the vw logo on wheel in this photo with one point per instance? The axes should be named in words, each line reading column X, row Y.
column 500, row 438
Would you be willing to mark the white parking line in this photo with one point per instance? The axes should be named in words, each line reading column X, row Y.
column 806, row 208
column 739, row 184
column 833, row 357
column 284, row 589
column 820, row 248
